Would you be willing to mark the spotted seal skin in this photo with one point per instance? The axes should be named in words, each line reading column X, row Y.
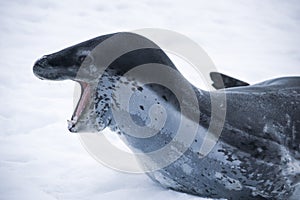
column 257, row 155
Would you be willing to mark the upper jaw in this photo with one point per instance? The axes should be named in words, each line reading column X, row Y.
column 51, row 74
column 46, row 71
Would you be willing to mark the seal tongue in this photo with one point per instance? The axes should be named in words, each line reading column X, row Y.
column 84, row 98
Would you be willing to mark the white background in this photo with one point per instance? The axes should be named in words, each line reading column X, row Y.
column 39, row 159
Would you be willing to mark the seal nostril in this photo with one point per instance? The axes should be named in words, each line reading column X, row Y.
column 41, row 62
column 44, row 57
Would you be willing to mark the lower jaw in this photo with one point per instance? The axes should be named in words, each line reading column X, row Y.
column 81, row 105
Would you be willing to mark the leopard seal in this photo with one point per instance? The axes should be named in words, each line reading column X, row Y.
column 257, row 155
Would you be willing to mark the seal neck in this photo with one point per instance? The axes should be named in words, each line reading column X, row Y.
column 150, row 58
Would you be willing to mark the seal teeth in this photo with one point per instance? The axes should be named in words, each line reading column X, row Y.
column 71, row 125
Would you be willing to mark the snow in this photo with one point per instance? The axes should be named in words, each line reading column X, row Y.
column 39, row 159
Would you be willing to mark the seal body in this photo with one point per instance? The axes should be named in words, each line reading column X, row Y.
column 257, row 155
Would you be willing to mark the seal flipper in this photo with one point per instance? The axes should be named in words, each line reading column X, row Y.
column 228, row 81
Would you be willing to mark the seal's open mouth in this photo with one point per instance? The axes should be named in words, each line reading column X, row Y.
column 82, row 103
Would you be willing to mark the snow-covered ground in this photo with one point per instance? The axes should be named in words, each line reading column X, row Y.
column 39, row 159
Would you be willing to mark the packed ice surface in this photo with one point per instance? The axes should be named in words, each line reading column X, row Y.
column 39, row 158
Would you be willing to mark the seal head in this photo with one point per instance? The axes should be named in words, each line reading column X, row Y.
column 65, row 65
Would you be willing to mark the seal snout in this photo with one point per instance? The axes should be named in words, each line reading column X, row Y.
column 44, row 69
column 40, row 67
column 41, row 62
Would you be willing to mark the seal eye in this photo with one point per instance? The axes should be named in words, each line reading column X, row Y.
column 81, row 58
column 85, row 60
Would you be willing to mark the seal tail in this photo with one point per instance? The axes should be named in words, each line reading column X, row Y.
column 228, row 81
